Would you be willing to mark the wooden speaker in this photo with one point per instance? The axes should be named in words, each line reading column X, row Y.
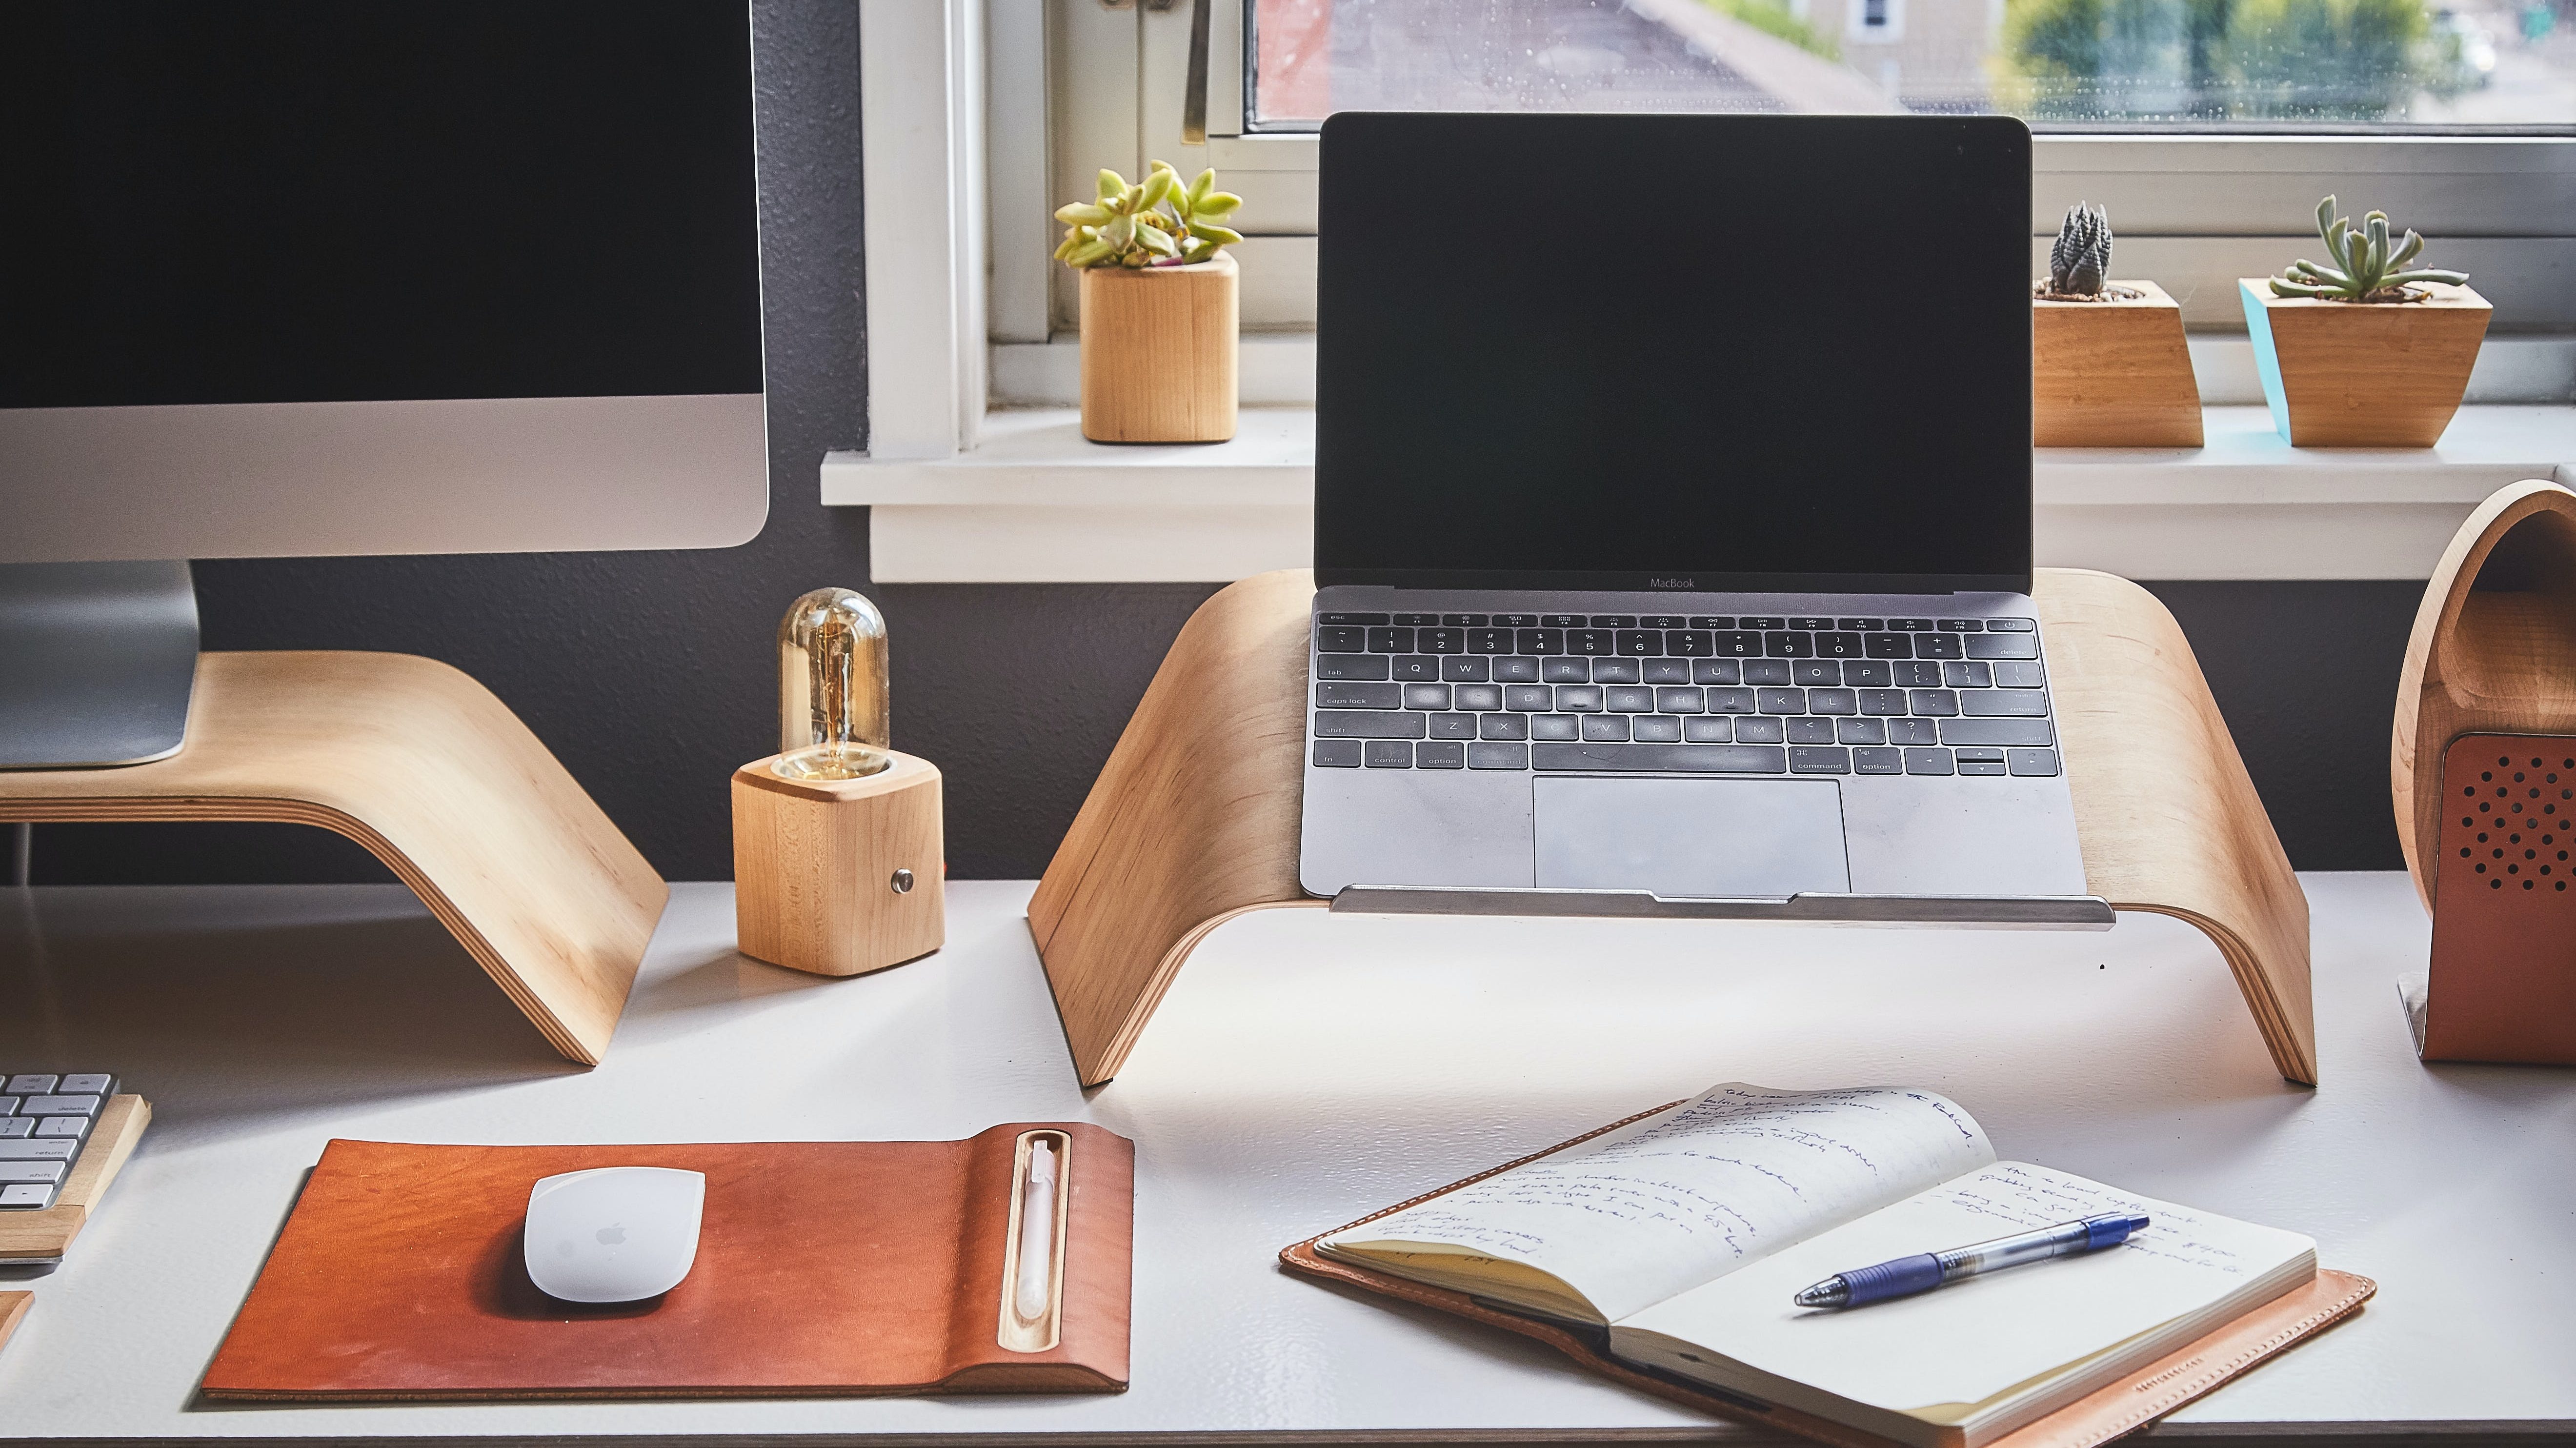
column 2482, row 769
column 838, row 876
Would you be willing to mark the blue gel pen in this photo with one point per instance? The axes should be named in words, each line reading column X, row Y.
column 1926, row 1270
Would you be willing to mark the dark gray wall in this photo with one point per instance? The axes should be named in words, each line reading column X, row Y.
column 651, row 675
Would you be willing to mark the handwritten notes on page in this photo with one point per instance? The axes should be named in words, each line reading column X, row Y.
column 1650, row 1210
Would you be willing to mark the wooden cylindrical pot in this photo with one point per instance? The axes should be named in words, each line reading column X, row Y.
column 1158, row 352
column 2112, row 373
column 839, row 876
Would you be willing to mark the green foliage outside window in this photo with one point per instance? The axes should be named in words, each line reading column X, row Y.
column 2321, row 60
column 1772, row 17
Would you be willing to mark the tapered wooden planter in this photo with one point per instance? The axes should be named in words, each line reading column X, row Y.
column 1158, row 352
column 2112, row 373
column 2364, row 374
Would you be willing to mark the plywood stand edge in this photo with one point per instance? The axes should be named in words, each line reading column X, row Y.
column 435, row 777
column 46, row 1235
column 1195, row 818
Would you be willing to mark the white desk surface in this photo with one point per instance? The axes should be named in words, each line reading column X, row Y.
column 1305, row 1070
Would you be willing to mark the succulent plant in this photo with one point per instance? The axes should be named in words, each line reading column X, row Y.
column 1158, row 221
column 2368, row 267
column 2081, row 259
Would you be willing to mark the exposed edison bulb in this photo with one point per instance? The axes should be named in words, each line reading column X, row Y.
column 832, row 720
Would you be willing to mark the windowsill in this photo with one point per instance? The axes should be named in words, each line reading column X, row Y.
column 1037, row 503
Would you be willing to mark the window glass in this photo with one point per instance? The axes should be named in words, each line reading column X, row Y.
column 2250, row 64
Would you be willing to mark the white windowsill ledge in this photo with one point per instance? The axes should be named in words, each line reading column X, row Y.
column 1037, row 503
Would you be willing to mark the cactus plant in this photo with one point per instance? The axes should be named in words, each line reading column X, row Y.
column 2368, row 267
column 1158, row 221
column 2081, row 259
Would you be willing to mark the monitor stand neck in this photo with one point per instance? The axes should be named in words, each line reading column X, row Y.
column 96, row 662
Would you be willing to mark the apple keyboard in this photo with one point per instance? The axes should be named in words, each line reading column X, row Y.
column 44, row 1121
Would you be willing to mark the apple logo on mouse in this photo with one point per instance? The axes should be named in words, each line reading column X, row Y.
column 613, row 1234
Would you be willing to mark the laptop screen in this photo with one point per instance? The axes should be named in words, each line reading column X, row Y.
column 1688, row 352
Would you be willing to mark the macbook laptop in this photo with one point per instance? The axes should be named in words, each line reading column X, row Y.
column 1673, row 522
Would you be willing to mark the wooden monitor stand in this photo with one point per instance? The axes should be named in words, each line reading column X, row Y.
column 1195, row 819
column 438, row 779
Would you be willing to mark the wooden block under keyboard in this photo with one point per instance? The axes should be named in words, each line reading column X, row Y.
column 42, row 1236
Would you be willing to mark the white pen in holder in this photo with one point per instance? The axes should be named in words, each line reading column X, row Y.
column 1032, row 1317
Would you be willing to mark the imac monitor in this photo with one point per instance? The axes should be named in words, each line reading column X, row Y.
column 314, row 277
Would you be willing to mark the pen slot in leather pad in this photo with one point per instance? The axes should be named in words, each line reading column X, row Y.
column 1020, row 1331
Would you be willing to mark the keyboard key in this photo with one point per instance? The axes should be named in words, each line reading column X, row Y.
column 1680, row 701
column 8, row 1106
column 74, row 1126
column 1529, row 698
column 1417, row 618
column 1453, row 726
column 1860, row 625
column 1556, row 726
column 1341, row 640
column 1730, row 701
column 38, row 1150
column 1883, row 701
column 1887, row 646
column 1661, row 758
column 1967, row 676
column 17, row 1126
column 1466, row 669
column 2041, row 763
column 2004, row 646
column 1928, row 761
column 1667, row 671
column 1766, row 671
column 1996, row 731
column 1979, row 756
column 1350, row 666
column 1539, row 640
column 1820, row 761
column 1913, row 731
column 88, row 1085
column 1477, row 696
column 32, row 1171
column 1489, row 641
column 1762, row 621
column 2005, row 703
column 1939, row 702
column 1916, row 675
column 1591, row 641
column 1808, row 673
column 1560, row 620
column 1783, row 701
column 1352, row 618
column 1390, row 640
column 1578, row 699
column 1689, row 643
column 1910, row 625
column 1789, row 645
column 1440, row 754
column 1737, row 645
column 1371, row 724
column 1516, row 620
column 1716, row 671
column 1807, row 730
column 1337, row 753
column 1565, row 671
column 1980, row 766
column 1605, row 726
column 1710, row 620
column 1615, row 671
column 2010, row 674
column 1516, row 671
column 1426, row 696
column 1936, row 646
column 1464, row 620
column 1869, row 673
column 1960, row 625
column 1629, row 700
column 1417, row 666
column 1389, row 754
column 1759, row 729
column 1640, row 643
column 26, row 1196
column 1878, row 761
column 1498, row 756
column 1838, row 646
column 1614, row 620
column 1811, row 623
column 1832, row 701
column 1860, row 731
column 1502, row 726
column 1707, row 729
column 59, row 1106
column 32, row 1085
column 1360, row 696
column 2010, row 625
column 1659, row 620
column 1656, row 729
column 1444, row 640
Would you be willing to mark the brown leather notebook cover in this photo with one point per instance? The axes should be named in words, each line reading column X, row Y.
column 2503, row 980
column 824, row 1269
column 2146, row 1395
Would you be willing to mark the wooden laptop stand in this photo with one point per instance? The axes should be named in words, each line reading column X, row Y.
column 438, row 779
column 1195, row 819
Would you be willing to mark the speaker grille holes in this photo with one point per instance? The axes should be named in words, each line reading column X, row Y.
column 2495, row 884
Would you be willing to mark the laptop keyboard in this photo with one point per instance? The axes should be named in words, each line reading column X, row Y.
column 1676, row 694
column 44, row 1119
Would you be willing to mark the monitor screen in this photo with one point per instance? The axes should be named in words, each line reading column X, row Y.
column 1707, row 352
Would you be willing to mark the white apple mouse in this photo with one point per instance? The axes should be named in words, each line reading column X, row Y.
column 614, row 1233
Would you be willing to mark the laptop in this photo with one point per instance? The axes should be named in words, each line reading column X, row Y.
column 1673, row 522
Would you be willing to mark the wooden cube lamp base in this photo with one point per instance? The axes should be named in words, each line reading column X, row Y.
column 838, row 876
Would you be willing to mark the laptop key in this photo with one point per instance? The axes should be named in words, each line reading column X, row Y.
column 1390, row 640
column 33, row 1171
column 1516, row 620
column 1498, row 756
column 1808, row 673
column 1708, row 729
column 1887, row 646
column 59, row 1106
column 1605, row 726
column 1614, row 620
column 1980, row 766
column 1426, row 696
column 1762, row 621
column 1593, row 642
column 2005, row 703
column 1478, row 696
column 1615, row 671
column 1789, row 645
column 1996, row 731
column 1979, row 756
column 1338, row 753
column 1539, row 640
column 1860, row 731
column 1341, row 640
column 1656, row 728
column 1466, row 669
column 1928, row 761
column 1443, row 640
column 1350, row 666
column 1810, row 731
column 1389, row 754
column 17, row 1126
column 1967, row 676
column 1689, row 643
column 32, row 1085
column 1422, row 667
column 1737, row 645
column 1711, row 620
column 1870, row 673
column 1767, row 671
column 1860, row 625
column 38, row 1150
column 1661, row 758
column 1838, row 646
column 1502, row 726
column 1578, row 699
column 1560, row 620
column 1716, row 671
column 1629, row 701
column 2003, row 646
column 1811, row 623
column 2037, row 762
column 1516, row 671
column 1782, row 701
column 1883, row 701
column 1440, row 754
column 1417, row 618
column 1909, row 625
column 1640, row 643
column 1453, row 726
column 1489, row 641
column 1820, row 761
column 1370, row 724
column 1556, row 726
column 1680, row 701
column 1730, row 701
column 1360, row 618
column 1565, row 671
column 1934, row 701
column 1832, row 701
column 1916, row 675
column 1758, row 729
column 1529, row 698
column 1936, row 646
column 1667, row 671
column 1660, row 620
column 1878, row 761
column 1960, row 625
column 1465, row 620
column 2010, row 625
column 1360, row 696
column 2012, row 674
column 1913, row 731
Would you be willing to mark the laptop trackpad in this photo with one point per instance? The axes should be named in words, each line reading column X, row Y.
column 1726, row 838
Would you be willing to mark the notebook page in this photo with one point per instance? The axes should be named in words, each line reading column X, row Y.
column 1638, row 1214
column 1969, row 1341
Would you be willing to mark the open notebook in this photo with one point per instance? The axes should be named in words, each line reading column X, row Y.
column 1683, row 1234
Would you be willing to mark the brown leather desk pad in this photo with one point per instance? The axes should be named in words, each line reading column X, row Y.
column 2144, row 1396
column 824, row 1269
